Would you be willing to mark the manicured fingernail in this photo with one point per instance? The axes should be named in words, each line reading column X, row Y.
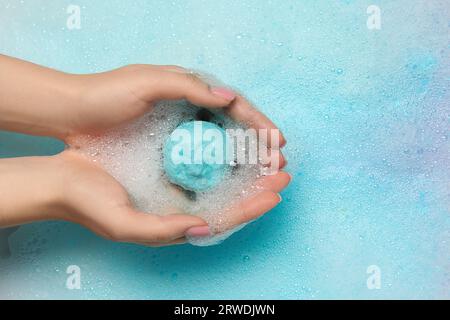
column 283, row 141
column 224, row 93
column 198, row 232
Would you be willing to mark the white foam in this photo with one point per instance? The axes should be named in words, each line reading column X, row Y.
column 132, row 154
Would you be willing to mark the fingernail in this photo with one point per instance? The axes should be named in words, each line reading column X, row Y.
column 281, row 199
column 224, row 93
column 198, row 232
column 282, row 161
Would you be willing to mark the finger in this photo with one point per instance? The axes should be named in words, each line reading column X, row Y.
column 169, row 85
column 133, row 226
column 274, row 159
column 274, row 183
column 189, row 86
column 174, row 68
column 241, row 110
column 250, row 209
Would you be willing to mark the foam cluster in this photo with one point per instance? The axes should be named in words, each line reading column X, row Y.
column 133, row 155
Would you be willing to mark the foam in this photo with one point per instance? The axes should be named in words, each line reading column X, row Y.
column 132, row 154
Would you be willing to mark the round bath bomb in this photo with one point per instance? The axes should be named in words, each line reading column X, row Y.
column 196, row 155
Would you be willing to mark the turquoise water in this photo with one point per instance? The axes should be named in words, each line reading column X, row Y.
column 366, row 114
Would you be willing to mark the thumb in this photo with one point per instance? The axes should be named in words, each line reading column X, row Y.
column 169, row 85
column 135, row 226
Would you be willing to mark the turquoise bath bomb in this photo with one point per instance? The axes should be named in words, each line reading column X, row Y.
column 196, row 155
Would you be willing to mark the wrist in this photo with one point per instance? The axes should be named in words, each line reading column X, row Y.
column 36, row 100
column 31, row 189
column 63, row 114
column 54, row 198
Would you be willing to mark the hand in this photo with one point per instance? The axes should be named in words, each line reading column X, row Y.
column 97, row 201
column 91, row 197
column 70, row 187
column 138, row 87
column 109, row 99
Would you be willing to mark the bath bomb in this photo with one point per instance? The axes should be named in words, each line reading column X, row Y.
column 197, row 155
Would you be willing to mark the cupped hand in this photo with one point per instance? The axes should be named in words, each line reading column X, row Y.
column 106, row 100
column 109, row 99
column 94, row 199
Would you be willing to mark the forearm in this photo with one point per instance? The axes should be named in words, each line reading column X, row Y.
column 29, row 189
column 34, row 99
